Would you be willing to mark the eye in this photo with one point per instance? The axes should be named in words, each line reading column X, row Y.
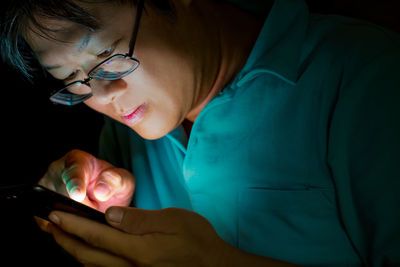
column 108, row 52
column 71, row 76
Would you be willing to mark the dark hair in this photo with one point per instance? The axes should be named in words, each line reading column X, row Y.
column 18, row 14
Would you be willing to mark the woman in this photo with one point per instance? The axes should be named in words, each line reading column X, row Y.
column 240, row 139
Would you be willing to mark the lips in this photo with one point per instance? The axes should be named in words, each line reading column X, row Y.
column 135, row 116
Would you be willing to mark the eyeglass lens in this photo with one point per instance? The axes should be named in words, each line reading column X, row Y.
column 114, row 68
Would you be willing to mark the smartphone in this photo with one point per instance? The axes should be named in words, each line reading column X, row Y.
column 40, row 201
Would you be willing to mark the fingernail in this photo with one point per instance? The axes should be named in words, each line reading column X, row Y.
column 54, row 218
column 102, row 191
column 115, row 214
column 76, row 194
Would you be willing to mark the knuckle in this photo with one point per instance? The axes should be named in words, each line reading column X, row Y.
column 53, row 167
column 124, row 181
column 94, row 239
column 112, row 177
column 73, row 156
column 74, row 152
column 129, row 177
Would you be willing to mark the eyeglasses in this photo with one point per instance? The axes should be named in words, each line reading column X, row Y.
column 113, row 68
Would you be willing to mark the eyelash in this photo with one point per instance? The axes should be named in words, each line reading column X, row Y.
column 106, row 53
column 71, row 76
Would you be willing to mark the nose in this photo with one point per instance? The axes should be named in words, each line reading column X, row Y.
column 106, row 92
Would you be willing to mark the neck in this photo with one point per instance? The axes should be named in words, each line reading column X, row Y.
column 234, row 40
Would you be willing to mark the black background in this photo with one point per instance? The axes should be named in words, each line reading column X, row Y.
column 34, row 132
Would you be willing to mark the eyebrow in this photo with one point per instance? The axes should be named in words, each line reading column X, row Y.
column 84, row 42
column 80, row 47
column 51, row 67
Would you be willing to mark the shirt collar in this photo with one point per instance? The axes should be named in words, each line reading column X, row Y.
column 179, row 138
column 278, row 47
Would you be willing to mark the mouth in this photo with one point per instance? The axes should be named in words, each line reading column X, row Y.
column 135, row 116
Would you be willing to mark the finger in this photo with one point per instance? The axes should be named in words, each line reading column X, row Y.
column 48, row 184
column 108, row 181
column 114, row 182
column 43, row 224
column 141, row 222
column 51, row 178
column 103, row 236
column 74, row 178
column 75, row 174
column 84, row 253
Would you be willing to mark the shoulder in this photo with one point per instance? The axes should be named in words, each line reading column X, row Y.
column 352, row 40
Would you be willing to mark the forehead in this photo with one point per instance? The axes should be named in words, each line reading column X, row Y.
column 110, row 18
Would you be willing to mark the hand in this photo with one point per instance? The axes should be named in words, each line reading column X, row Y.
column 169, row 237
column 89, row 180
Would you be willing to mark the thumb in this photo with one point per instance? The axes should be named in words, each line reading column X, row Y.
column 139, row 221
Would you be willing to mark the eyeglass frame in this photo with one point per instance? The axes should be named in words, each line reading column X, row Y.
column 129, row 55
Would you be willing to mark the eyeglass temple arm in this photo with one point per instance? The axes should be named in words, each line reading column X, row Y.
column 136, row 27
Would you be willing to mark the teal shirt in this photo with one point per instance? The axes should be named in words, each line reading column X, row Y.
column 297, row 159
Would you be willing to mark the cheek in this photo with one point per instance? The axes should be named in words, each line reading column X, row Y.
column 168, row 101
column 163, row 105
column 169, row 89
column 103, row 109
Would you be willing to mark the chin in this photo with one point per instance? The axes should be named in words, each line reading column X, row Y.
column 151, row 136
column 152, row 131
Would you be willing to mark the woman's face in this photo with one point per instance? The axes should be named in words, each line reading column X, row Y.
column 157, row 96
